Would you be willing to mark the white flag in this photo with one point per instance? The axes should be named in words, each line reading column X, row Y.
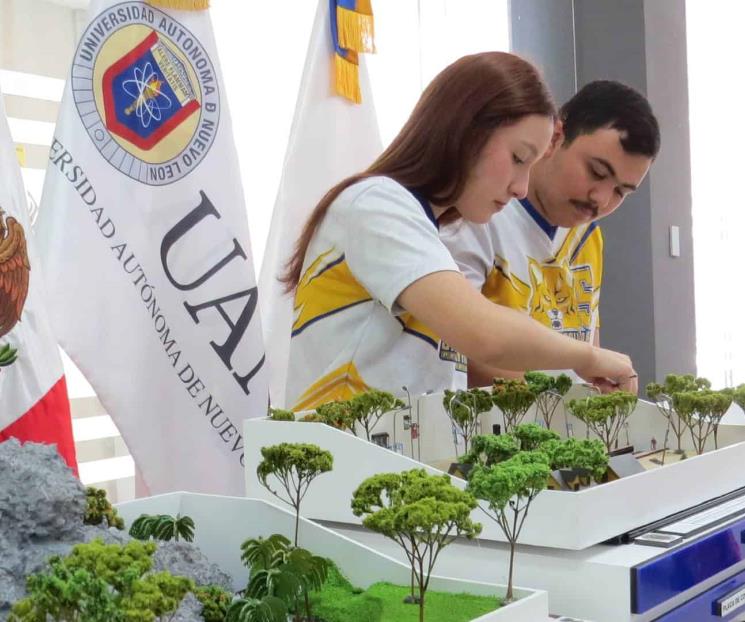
column 331, row 138
column 145, row 242
column 33, row 396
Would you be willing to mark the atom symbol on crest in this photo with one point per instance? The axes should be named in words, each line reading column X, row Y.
column 149, row 100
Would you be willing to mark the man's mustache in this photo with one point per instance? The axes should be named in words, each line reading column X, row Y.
column 585, row 205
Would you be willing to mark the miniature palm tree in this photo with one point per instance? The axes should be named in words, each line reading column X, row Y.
column 513, row 398
column 295, row 465
column 509, row 488
column 422, row 513
column 464, row 408
column 369, row 407
column 266, row 609
column 605, row 414
column 163, row 527
column 282, row 571
column 549, row 392
column 701, row 411
column 98, row 509
column 662, row 396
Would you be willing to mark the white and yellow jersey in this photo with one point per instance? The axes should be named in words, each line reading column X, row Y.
column 519, row 260
column 348, row 332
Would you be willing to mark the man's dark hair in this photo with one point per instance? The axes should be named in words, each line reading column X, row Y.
column 609, row 104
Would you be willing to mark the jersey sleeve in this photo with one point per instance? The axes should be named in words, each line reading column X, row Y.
column 390, row 241
column 472, row 248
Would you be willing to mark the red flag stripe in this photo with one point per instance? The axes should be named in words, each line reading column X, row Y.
column 48, row 421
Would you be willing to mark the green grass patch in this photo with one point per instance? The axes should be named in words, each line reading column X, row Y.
column 339, row 601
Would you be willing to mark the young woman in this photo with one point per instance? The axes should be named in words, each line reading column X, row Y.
column 379, row 300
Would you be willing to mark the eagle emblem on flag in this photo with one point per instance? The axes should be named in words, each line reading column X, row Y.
column 14, row 276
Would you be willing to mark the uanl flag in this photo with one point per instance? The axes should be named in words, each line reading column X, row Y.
column 33, row 396
column 331, row 138
column 145, row 238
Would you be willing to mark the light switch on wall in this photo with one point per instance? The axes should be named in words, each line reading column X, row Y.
column 674, row 241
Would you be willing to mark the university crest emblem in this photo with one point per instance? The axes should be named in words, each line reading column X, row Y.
column 147, row 93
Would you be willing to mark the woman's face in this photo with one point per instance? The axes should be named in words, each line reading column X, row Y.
column 502, row 168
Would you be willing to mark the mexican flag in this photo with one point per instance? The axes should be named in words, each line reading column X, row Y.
column 33, row 396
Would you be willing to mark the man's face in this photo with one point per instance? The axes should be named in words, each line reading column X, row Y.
column 587, row 179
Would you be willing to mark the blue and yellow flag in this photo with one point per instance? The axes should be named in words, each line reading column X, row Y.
column 352, row 32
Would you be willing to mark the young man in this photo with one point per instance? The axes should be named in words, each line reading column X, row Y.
column 543, row 254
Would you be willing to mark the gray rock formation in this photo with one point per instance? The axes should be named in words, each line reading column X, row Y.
column 42, row 506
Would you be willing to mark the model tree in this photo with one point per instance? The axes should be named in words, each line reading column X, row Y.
column 98, row 509
column 662, row 396
column 491, row 449
column 509, row 488
column 422, row 513
column 549, row 392
column 279, row 570
column 738, row 396
column 531, row 436
column 701, row 412
column 280, row 414
column 463, row 408
column 337, row 414
column 605, row 414
column 100, row 582
column 295, row 466
column 584, row 455
column 163, row 527
column 368, row 408
column 513, row 398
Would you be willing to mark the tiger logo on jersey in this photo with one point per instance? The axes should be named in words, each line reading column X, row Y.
column 558, row 295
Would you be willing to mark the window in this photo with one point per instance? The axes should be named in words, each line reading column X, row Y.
column 714, row 44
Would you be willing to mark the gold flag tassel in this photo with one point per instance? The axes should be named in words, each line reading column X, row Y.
column 356, row 28
column 181, row 5
column 347, row 79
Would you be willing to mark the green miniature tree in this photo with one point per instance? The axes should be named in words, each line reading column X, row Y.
column 605, row 414
column 337, row 414
column 282, row 571
column 279, row 414
column 215, row 602
column 589, row 455
column 369, row 407
column 295, row 465
column 491, row 449
column 509, row 488
column 98, row 509
column 662, row 396
column 701, row 411
column 531, row 436
column 163, row 527
column 463, row 408
column 100, row 582
column 422, row 513
column 513, row 398
column 266, row 609
column 549, row 392
column 738, row 396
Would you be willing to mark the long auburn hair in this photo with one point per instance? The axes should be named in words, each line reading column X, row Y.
column 452, row 121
